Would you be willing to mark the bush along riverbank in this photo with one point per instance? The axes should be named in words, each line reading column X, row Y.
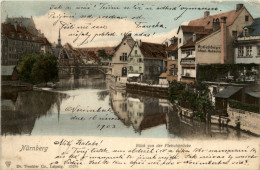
column 38, row 68
column 193, row 97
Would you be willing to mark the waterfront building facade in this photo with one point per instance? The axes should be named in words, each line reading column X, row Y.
column 147, row 61
column 247, row 44
column 119, row 59
column 188, row 36
column 17, row 41
column 214, row 37
column 172, row 60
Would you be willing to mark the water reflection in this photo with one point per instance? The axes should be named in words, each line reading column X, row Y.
column 19, row 116
column 93, row 82
column 88, row 107
column 185, row 127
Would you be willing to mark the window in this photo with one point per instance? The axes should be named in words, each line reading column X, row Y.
column 246, row 18
column 180, row 40
column 234, row 33
column 135, row 51
column 258, row 50
column 139, row 60
column 140, row 68
column 188, row 53
column 248, row 50
column 240, row 51
column 174, row 71
column 214, row 91
column 123, row 57
column 131, row 68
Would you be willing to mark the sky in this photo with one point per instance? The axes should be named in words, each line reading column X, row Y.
column 103, row 23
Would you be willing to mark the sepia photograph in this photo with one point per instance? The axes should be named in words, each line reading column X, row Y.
column 130, row 84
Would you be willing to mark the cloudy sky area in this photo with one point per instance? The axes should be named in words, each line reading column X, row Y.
column 47, row 18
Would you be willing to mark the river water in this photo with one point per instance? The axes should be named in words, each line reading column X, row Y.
column 94, row 107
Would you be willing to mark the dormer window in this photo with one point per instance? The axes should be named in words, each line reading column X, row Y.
column 194, row 37
column 246, row 32
column 234, row 33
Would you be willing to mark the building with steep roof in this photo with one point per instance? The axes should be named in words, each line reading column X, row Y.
column 217, row 47
column 209, row 40
column 188, row 36
column 146, row 61
column 94, row 53
column 247, row 44
column 18, row 41
column 27, row 23
column 119, row 59
column 172, row 60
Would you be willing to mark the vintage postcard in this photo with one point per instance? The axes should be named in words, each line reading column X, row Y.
column 130, row 84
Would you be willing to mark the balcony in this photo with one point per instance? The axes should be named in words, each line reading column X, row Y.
column 188, row 75
column 248, row 38
column 188, row 80
column 172, row 58
column 188, row 60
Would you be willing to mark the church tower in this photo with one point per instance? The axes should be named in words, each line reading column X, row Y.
column 58, row 46
column 59, row 41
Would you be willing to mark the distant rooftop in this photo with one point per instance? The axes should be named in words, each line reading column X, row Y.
column 207, row 21
column 7, row 70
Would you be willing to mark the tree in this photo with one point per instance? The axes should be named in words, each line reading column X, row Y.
column 25, row 67
column 38, row 68
column 103, row 54
column 194, row 97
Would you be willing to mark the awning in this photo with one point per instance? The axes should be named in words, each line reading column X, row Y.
column 228, row 92
column 254, row 94
column 133, row 75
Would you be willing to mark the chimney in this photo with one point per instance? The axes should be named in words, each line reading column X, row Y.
column 166, row 43
column 173, row 40
column 223, row 40
column 194, row 37
column 216, row 24
column 206, row 14
column 15, row 25
column 139, row 42
column 239, row 6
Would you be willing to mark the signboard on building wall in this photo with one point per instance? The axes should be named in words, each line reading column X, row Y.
column 209, row 48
